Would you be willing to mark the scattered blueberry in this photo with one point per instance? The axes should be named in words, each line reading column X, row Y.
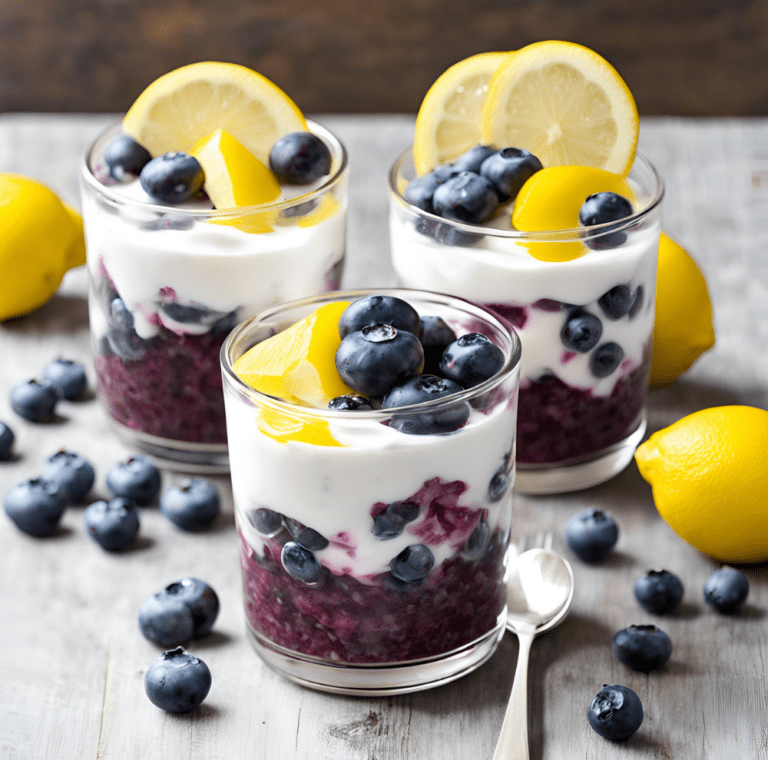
column 112, row 524
column 420, row 190
column 642, row 647
column 66, row 377
column 266, row 521
column 392, row 521
column 71, row 473
column 658, row 591
column 591, row 535
column 436, row 335
column 637, row 302
column 413, row 564
column 509, row 169
column 136, row 478
column 300, row 563
column 605, row 359
column 477, row 540
column 430, row 420
column 33, row 401
column 308, row 538
column 616, row 302
column 172, row 178
column 183, row 610
column 6, row 441
column 581, row 331
column 472, row 160
column 471, row 360
column 177, row 681
column 121, row 332
column 299, row 158
column 467, row 197
column 375, row 359
column 350, row 403
column 202, row 601
column 379, row 310
column 192, row 505
column 35, row 506
column 601, row 208
column 616, row 712
column 726, row 590
column 124, row 156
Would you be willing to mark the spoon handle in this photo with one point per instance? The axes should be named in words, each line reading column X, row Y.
column 513, row 739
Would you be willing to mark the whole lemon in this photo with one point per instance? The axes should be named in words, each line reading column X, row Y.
column 41, row 239
column 709, row 475
column 683, row 329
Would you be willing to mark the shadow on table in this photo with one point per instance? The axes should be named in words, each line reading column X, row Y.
column 61, row 315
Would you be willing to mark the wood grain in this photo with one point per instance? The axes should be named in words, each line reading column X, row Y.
column 72, row 659
column 691, row 57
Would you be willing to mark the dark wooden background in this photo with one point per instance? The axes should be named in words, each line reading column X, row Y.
column 679, row 57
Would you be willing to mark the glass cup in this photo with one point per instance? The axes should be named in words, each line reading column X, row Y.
column 167, row 284
column 585, row 324
column 358, row 495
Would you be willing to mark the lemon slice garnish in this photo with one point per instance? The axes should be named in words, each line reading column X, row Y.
column 448, row 122
column 186, row 105
column 565, row 104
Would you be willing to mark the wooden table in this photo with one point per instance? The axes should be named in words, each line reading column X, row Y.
column 72, row 659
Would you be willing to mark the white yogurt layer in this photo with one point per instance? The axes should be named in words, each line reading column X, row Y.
column 332, row 489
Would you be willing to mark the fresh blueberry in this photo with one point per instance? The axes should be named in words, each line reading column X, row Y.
column 177, row 682
column 226, row 324
column 121, row 333
column 350, row 403
column 413, row 564
column 392, row 521
column 436, row 335
column 581, row 331
column 112, row 524
column 642, row 647
column 591, row 535
column 418, row 390
column 471, row 360
column 509, row 169
column 187, row 314
column 6, row 441
column 71, row 473
column 477, row 540
column 658, row 591
column 192, row 505
column 183, row 610
column 33, row 401
column 601, row 208
column 616, row 302
column 202, row 601
column 66, row 377
column 420, row 190
column 472, row 160
column 726, row 590
column 308, row 538
column 300, row 563
column 637, row 302
column 136, row 478
column 616, row 712
column 375, row 359
column 266, row 521
column 444, row 172
column 605, row 359
column 502, row 479
column 172, row 178
column 36, row 506
column 379, row 310
column 124, row 156
column 467, row 197
column 299, row 158
column 447, row 234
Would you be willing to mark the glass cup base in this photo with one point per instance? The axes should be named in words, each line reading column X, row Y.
column 542, row 479
column 202, row 458
column 378, row 680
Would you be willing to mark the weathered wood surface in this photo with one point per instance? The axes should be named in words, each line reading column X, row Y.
column 684, row 58
column 71, row 656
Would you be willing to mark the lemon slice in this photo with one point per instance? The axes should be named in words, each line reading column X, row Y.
column 186, row 105
column 448, row 122
column 565, row 104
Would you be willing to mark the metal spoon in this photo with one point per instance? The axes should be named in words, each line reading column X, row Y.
column 539, row 594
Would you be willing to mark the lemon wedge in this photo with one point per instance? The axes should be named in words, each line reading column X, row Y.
column 565, row 104
column 448, row 122
column 184, row 106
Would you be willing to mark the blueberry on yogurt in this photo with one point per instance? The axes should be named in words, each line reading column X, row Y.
column 418, row 390
column 35, row 506
column 601, row 208
column 472, row 160
column 266, row 521
column 177, row 681
column 391, row 522
column 172, row 178
column 379, row 310
column 73, row 474
column 125, row 158
column 581, row 331
column 477, row 540
column 350, row 402
column 605, row 359
column 509, row 169
column 66, row 377
column 642, row 647
column 471, row 359
column 591, row 535
column 308, row 538
column 300, row 158
column 192, row 505
column 136, row 478
column 616, row 712
column 467, row 197
column 658, row 591
column 121, row 333
column 33, row 401
column 413, row 564
column 436, row 335
column 112, row 524
column 420, row 190
column 301, row 564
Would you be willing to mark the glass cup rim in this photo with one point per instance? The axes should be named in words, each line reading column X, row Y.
column 337, row 146
column 511, row 364
column 577, row 233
